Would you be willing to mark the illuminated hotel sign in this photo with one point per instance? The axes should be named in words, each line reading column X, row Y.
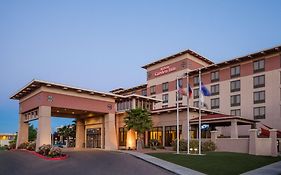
column 164, row 70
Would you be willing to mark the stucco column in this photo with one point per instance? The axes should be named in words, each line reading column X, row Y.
column 273, row 136
column 163, row 136
column 110, row 132
column 214, row 136
column 44, row 126
column 133, row 103
column 234, row 129
column 23, row 131
column 253, row 140
column 80, row 134
column 131, row 140
column 146, row 139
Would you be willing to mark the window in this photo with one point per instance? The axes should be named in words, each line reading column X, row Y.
column 180, row 83
column 157, row 134
column 259, row 112
column 235, row 100
column 171, row 134
column 178, row 96
column 152, row 90
column 258, row 66
column 196, row 93
column 235, row 71
column 165, row 98
column 196, row 80
column 144, row 92
column 259, row 81
column 236, row 112
column 215, row 89
column 165, row 87
column 122, row 136
column 215, row 103
column 235, row 86
column 215, row 76
column 196, row 104
column 259, row 97
column 164, row 106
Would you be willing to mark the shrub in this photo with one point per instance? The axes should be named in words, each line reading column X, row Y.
column 44, row 150
column 193, row 146
column 154, row 144
column 55, row 152
column 208, row 146
column 31, row 146
column 183, row 145
column 23, row 145
column 5, row 147
column 12, row 145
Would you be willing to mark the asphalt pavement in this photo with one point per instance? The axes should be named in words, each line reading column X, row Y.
column 79, row 163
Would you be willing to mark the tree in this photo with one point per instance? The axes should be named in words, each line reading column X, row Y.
column 139, row 120
column 68, row 131
column 32, row 133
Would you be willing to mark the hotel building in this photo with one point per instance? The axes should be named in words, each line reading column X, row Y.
column 244, row 90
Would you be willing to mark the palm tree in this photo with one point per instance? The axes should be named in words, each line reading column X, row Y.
column 139, row 120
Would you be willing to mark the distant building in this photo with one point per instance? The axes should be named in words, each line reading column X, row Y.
column 5, row 138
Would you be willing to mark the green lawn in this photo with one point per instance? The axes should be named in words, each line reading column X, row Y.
column 219, row 162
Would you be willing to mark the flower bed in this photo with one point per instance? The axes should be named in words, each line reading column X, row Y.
column 45, row 151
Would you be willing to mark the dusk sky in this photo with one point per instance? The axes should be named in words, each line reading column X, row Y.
column 102, row 45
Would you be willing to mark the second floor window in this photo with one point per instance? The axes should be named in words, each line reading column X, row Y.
column 235, row 86
column 259, row 81
column 152, row 90
column 179, row 96
column 259, row 112
column 236, row 112
column 235, row 71
column 144, row 92
column 215, row 76
column 165, row 98
column 215, row 103
column 196, row 93
column 215, row 89
column 196, row 104
column 258, row 66
column 235, row 100
column 259, row 97
column 165, row 87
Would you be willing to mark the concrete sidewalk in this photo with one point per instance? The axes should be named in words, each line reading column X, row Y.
column 164, row 164
column 272, row 169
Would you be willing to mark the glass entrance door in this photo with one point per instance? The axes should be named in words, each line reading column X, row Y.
column 94, row 138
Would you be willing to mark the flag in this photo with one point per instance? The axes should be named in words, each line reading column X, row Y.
column 182, row 92
column 189, row 91
column 204, row 90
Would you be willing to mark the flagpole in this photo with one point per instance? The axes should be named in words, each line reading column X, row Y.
column 200, row 104
column 187, row 112
column 178, row 134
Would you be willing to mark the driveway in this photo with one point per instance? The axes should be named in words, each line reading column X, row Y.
column 79, row 163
